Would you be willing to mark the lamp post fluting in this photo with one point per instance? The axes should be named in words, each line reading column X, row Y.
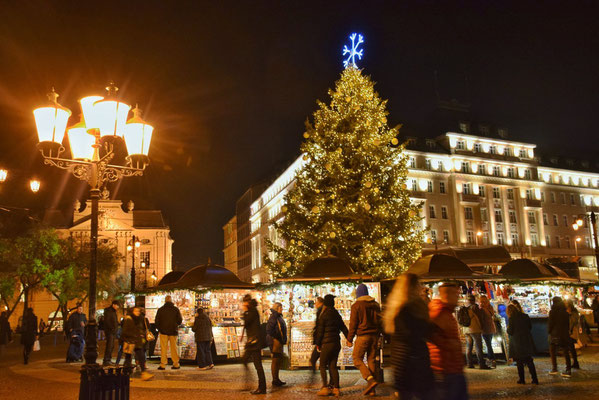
column 92, row 143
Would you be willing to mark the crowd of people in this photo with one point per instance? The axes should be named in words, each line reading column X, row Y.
column 426, row 350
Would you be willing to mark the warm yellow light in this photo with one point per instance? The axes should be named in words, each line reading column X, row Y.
column 579, row 222
column 479, row 233
column 137, row 244
column 108, row 116
column 575, row 227
column 3, row 175
column 51, row 122
column 143, row 264
column 138, row 135
column 34, row 185
column 87, row 107
column 129, row 248
column 578, row 239
column 81, row 142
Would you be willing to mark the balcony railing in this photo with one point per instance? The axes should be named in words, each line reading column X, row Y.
column 533, row 203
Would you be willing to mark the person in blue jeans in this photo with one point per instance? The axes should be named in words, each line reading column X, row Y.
column 202, row 327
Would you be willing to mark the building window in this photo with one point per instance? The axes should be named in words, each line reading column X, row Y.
column 412, row 162
column 545, row 219
column 527, row 174
column 557, row 243
column 497, row 193
column 433, row 236
column 534, row 240
column 542, row 197
column 567, row 241
column 510, row 172
column 468, row 213
column 413, row 184
column 500, row 238
column 510, row 194
column 431, row 212
column 470, row 237
column 572, row 199
column 523, row 153
column 508, row 151
column 442, row 187
column 565, row 218
column 427, row 164
column 493, row 149
column 481, row 191
column 482, row 169
column 464, row 127
column 477, row 147
column 446, row 237
column 460, row 145
column 485, row 238
column 529, row 194
column 515, row 239
column 465, row 167
column 496, row 170
column 144, row 259
column 547, row 241
column 430, row 186
column 563, row 197
column 532, row 219
column 513, row 217
column 552, row 195
column 443, row 212
column 587, row 242
column 430, row 143
column 555, row 220
column 498, row 216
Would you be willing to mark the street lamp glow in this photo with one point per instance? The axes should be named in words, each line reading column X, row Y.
column 129, row 248
column 3, row 175
column 81, row 142
column 137, row 244
column 51, row 121
column 34, row 185
column 575, row 226
column 579, row 222
column 138, row 135
column 479, row 233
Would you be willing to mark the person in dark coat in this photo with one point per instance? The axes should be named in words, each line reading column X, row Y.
column 202, row 327
column 276, row 333
column 168, row 319
column 559, row 335
column 5, row 331
column 254, row 342
column 521, row 344
column 595, row 308
column 328, row 342
column 29, row 333
column 407, row 320
column 76, row 322
column 318, row 303
column 111, row 324
column 134, row 339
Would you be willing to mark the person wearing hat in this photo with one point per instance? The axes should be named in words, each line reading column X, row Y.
column 328, row 342
column 365, row 326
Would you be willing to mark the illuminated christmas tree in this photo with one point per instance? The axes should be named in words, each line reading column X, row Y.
column 351, row 194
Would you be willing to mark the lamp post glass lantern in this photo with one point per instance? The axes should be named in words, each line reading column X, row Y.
column 103, row 123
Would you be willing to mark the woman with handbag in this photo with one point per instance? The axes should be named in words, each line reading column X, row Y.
column 134, row 338
column 276, row 334
column 28, row 333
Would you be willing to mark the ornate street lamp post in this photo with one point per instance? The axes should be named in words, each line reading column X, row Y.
column 104, row 123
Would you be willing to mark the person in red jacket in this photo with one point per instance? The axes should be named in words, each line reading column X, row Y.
column 445, row 347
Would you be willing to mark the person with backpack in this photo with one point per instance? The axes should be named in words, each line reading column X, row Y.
column 254, row 342
column 468, row 317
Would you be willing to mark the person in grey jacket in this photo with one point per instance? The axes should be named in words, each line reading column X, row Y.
column 202, row 327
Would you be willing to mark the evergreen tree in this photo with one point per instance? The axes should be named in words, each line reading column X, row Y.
column 351, row 193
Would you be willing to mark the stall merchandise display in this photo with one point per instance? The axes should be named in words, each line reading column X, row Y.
column 298, row 308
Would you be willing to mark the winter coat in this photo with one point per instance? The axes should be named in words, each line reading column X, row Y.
column 134, row 331
column 318, row 311
column 559, row 325
column 330, row 324
column 409, row 351
column 521, row 344
column 276, row 327
column 574, row 325
column 111, row 320
column 445, row 347
column 168, row 319
column 74, row 322
column 487, row 321
column 5, row 331
column 28, row 330
column 475, row 316
column 365, row 318
column 202, row 327
column 251, row 324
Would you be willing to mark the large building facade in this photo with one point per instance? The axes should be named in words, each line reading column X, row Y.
column 475, row 190
column 230, row 249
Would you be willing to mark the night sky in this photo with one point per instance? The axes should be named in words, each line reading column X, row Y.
column 229, row 84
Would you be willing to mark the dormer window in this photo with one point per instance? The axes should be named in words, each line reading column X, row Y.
column 570, row 163
column 460, row 145
column 502, row 132
column 484, row 130
column 411, row 141
column 465, row 127
column 430, row 143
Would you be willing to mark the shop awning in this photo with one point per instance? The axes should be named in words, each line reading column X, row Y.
column 442, row 266
column 327, row 268
column 526, row 269
column 171, row 277
column 207, row 276
column 474, row 256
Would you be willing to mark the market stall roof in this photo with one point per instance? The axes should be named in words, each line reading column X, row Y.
column 171, row 277
column 474, row 256
column 524, row 268
column 442, row 266
column 208, row 276
column 328, row 268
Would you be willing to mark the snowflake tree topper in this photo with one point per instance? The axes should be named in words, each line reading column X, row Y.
column 353, row 52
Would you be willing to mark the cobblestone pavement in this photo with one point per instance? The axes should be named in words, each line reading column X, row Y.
column 48, row 377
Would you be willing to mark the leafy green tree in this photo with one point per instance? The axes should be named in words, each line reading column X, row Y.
column 351, row 193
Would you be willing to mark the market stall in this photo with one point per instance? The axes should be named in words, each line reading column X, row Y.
column 327, row 275
column 220, row 293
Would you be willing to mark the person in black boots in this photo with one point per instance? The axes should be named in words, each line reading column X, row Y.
column 111, row 324
column 202, row 327
column 28, row 333
column 559, row 334
column 276, row 333
column 519, row 327
column 328, row 342
column 254, row 342
column 318, row 303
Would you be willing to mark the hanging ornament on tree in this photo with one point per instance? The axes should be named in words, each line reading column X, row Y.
column 306, row 135
column 339, row 150
column 317, row 190
column 332, row 235
column 284, row 209
column 332, row 195
column 328, row 166
column 288, row 264
column 292, row 241
column 315, row 209
column 384, row 119
column 305, row 157
column 376, row 190
column 347, row 99
column 394, row 141
column 412, row 214
column 377, row 142
column 368, row 184
column 367, row 207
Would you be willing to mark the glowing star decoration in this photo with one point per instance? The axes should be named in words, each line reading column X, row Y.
column 354, row 51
